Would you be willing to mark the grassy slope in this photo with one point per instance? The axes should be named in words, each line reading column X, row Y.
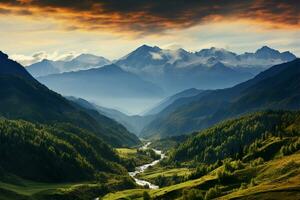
column 276, row 176
column 20, row 189
column 134, row 156
column 126, row 152
column 154, row 172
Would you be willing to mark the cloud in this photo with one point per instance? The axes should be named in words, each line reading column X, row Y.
column 156, row 56
column 39, row 56
column 156, row 16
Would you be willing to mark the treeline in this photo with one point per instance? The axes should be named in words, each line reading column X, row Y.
column 56, row 153
column 262, row 134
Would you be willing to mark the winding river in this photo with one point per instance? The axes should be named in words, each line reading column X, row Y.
column 142, row 168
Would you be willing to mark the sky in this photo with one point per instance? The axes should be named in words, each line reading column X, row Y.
column 31, row 30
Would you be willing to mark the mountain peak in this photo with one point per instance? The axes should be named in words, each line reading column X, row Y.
column 145, row 47
column 11, row 67
column 267, row 52
column 3, row 55
column 110, row 68
column 45, row 60
column 91, row 59
column 266, row 49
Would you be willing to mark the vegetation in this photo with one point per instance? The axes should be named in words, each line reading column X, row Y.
column 55, row 153
column 278, row 176
column 15, row 188
column 25, row 98
column 166, row 144
column 276, row 88
column 253, row 157
column 257, row 135
column 133, row 157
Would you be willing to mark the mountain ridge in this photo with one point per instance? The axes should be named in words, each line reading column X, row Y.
column 255, row 94
column 22, row 97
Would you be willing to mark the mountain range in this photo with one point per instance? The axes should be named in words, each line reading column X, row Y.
column 176, row 70
column 23, row 97
column 109, row 85
column 81, row 62
column 276, row 88
column 149, row 74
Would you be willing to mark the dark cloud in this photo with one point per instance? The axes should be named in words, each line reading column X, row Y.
column 148, row 16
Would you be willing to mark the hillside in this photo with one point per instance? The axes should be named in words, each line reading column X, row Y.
column 252, row 157
column 107, row 81
column 256, row 135
column 22, row 97
column 169, row 100
column 133, row 123
column 275, row 88
column 54, row 153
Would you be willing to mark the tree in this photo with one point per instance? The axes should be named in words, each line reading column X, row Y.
column 192, row 194
column 146, row 196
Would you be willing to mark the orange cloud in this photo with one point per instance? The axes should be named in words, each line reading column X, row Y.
column 148, row 17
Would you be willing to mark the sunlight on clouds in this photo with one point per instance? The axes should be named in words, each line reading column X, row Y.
column 24, row 37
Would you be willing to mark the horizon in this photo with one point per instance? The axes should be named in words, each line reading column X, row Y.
column 27, row 60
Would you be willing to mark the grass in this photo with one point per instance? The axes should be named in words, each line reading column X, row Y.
column 25, row 187
column 169, row 191
column 126, row 152
column 136, row 157
column 15, row 188
column 154, row 172
column 276, row 179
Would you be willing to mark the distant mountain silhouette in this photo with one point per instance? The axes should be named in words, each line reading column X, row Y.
column 108, row 81
column 275, row 88
column 81, row 62
column 168, row 101
column 176, row 70
column 134, row 123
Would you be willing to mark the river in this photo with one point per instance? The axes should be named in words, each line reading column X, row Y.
column 142, row 168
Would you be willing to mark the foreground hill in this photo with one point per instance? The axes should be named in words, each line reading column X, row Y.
column 275, row 88
column 22, row 97
column 256, row 156
column 262, row 135
column 57, row 161
column 54, row 153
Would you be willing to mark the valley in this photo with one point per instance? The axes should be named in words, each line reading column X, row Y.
column 149, row 100
column 238, row 142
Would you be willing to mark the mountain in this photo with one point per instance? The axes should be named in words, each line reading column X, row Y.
column 109, row 80
column 84, row 61
column 43, row 68
column 109, row 86
column 268, row 53
column 133, row 123
column 54, row 153
column 22, row 97
column 218, row 54
column 275, row 88
column 234, row 138
column 10, row 67
column 81, row 62
column 177, row 70
column 168, row 101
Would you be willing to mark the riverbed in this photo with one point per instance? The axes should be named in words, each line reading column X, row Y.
column 142, row 168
